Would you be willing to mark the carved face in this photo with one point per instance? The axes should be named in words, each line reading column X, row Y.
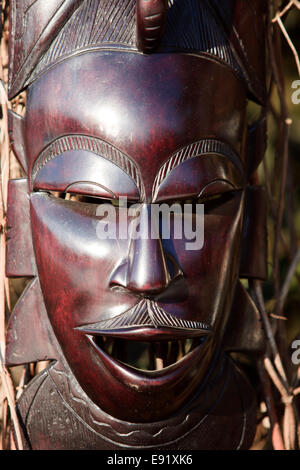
column 139, row 321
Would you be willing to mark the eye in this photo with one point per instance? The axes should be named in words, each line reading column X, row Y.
column 215, row 199
column 86, row 199
column 216, row 193
column 210, row 201
column 81, row 198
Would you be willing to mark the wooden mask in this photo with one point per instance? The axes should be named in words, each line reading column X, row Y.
column 145, row 100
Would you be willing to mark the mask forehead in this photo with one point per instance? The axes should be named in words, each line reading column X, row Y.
column 147, row 107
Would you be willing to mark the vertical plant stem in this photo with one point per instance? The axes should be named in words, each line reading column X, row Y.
column 277, row 439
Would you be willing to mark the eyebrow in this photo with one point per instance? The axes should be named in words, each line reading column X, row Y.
column 94, row 145
column 109, row 152
column 196, row 149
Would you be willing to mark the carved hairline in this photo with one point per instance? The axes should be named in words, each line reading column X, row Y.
column 123, row 49
column 136, row 24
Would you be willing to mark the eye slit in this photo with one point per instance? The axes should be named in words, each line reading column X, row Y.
column 211, row 201
column 215, row 189
column 215, row 197
column 82, row 198
column 86, row 199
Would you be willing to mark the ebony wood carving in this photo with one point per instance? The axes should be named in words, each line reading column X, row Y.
column 145, row 100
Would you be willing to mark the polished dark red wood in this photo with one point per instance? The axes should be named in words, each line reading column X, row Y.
column 107, row 119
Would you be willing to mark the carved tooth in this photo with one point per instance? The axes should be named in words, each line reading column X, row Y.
column 116, row 350
column 174, row 351
column 159, row 356
column 108, row 345
column 151, row 357
column 188, row 346
column 182, row 349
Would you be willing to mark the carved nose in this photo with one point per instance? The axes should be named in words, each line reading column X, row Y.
column 145, row 271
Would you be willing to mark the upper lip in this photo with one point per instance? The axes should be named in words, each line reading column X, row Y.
column 145, row 333
column 147, row 319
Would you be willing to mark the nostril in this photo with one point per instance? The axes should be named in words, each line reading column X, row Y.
column 118, row 278
column 117, row 289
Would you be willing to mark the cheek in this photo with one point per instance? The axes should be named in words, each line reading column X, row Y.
column 215, row 237
column 74, row 265
column 212, row 271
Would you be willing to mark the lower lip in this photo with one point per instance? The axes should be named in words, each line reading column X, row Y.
column 147, row 333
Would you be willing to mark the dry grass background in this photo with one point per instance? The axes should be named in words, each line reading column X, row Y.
column 278, row 300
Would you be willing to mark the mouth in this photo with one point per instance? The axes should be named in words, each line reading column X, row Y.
column 146, row 355
column 146, row 338
column 147, row 364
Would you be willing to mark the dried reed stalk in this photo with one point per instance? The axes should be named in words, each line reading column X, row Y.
column 5, row 376
column 285, row 432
